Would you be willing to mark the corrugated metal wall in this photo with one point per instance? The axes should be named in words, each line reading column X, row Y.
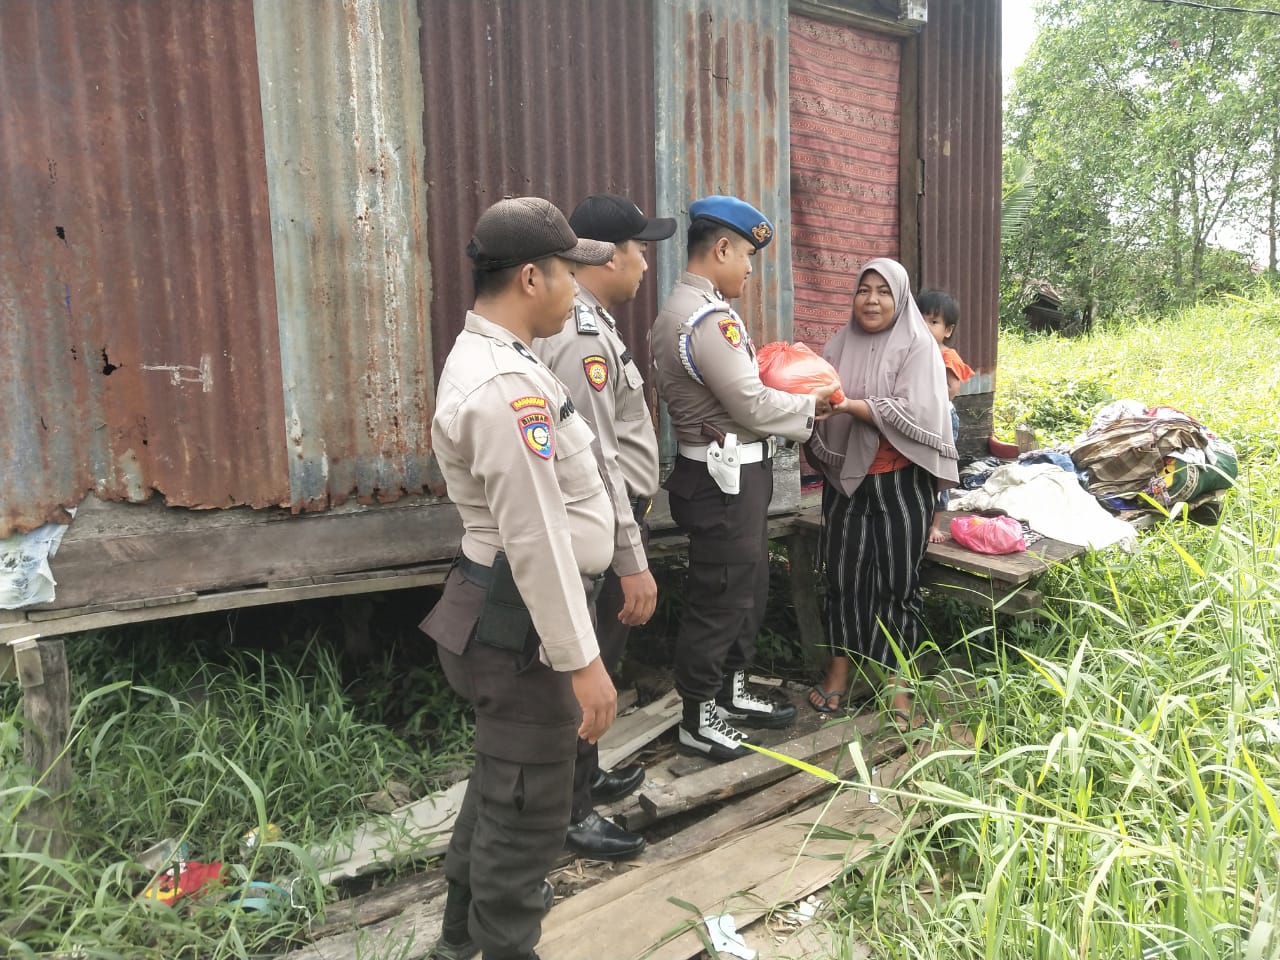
column 342, row 110
column 551, row 98
column 960, row 142
column 845, row 120
column 137, row 311
column 722, row 116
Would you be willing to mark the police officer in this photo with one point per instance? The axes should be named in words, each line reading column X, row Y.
column 514, row 626
column 607, row 387
column 725, row 420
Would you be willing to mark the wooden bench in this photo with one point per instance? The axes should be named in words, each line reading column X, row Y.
column 1000, row 583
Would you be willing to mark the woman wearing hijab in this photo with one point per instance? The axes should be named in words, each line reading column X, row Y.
column 883, row 465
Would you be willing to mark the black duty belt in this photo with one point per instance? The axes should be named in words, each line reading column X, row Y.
column 482, row 576
column 640, row 507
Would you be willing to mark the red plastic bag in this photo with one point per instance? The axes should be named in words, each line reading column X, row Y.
column 988, row 534
column 794, row 368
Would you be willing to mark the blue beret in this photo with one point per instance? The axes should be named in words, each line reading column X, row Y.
column 738, row 215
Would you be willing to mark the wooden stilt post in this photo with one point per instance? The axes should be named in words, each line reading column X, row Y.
column 46, row 702
column 804, row 595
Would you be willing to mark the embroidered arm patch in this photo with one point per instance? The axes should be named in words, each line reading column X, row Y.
column 597, row 371
column 534, row 425
column 732, row 331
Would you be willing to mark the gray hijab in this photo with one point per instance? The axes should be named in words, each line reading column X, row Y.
column 899, row 372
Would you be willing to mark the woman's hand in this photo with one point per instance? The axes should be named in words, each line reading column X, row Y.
column 859, row 409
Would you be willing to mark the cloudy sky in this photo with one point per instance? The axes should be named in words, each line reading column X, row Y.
column 1019, row 29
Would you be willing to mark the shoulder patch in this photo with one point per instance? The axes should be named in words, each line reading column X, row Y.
column 525, row 402
column 596, row 368
column 586, row 321
column 732, row 331
column 535, row 428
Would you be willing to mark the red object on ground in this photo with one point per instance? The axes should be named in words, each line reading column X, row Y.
column 988, row 534
column 187, row 878
column 794, row 368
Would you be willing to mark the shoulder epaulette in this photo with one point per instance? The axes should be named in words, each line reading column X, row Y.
column 586, row 321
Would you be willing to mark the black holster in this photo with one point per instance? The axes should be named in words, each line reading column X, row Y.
column 504, row 621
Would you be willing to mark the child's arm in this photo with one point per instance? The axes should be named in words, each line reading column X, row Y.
column 953, row 386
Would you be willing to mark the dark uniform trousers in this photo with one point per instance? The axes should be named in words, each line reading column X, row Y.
column 728, row 582
column 514, row 815
column 611, row 634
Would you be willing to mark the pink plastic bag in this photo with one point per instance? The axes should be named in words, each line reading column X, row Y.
column 988, row 534
column 794, row 368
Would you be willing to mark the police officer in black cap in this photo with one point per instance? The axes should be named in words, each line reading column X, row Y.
column 607, row 387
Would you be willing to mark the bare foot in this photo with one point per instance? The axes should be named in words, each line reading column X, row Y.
column 936, row 535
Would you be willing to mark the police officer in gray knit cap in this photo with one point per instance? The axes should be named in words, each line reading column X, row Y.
column 514, row 626
column 726, row 421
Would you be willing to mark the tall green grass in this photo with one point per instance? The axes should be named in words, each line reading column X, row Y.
column 1121, row 796
column 200, row 747
column 1218, row 361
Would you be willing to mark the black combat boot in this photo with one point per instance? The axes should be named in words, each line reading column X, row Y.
column 737, row 704
column 703, row 732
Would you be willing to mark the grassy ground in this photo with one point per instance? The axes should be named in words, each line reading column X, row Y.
column 1123, row 796
column 1121, row 799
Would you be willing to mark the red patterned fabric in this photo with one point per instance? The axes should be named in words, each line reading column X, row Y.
column 844, row 89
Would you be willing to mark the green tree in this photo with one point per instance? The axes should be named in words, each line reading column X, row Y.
column 1151, row 128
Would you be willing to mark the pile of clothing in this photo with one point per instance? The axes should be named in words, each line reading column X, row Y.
column 1132, row 457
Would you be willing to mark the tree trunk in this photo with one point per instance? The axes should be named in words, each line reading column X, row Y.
column 1272, row 225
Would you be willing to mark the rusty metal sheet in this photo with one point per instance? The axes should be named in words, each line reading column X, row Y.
column 845, row 113
column 551, row 98
column 722, row 127
column 137, row 310
column 960, row 140
column 342, row 110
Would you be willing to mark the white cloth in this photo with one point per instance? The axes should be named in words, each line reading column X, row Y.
column 1051, row 501
column 25, row 577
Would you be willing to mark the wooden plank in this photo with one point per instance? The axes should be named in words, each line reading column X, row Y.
column 1017, row 601
column 1010, row 568
column 75, row 622
column 416, row 831
column 748, row 773
column 638, row 729
column 407, row 936
column 746, row 876
column 422, row 829
column 379, row 904
column 765, row 804
column 46, row 703
column 170, row 551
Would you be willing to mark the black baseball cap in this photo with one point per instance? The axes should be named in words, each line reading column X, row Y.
column 520, row 230
column 607, row 216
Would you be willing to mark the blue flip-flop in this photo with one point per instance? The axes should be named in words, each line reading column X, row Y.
column 816, row 688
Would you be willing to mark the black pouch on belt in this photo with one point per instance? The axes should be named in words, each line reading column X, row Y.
column 504, row 621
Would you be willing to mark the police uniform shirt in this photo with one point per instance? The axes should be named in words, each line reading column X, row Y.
column 608, row 390
column 731, row 396
column 519, row 465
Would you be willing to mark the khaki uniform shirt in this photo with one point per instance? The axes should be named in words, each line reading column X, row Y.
column 731, row 396
column 519, row 465
column 608, row 390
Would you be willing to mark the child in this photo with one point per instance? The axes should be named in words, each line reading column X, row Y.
column 941, row 314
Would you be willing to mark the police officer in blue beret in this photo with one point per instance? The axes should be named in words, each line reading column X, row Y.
column 726, row 422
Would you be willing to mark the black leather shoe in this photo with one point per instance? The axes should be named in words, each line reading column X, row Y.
column 455, row 942
column 596, row 838
column 610, row 785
